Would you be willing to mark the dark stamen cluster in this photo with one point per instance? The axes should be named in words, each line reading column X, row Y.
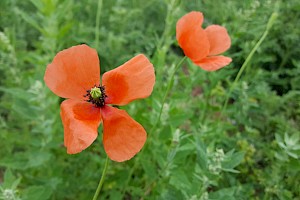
column 98, row 102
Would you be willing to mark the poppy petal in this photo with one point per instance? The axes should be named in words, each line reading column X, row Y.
column 214, row 63
column 188, row 22
column 122, row 136
column 219, row 39
column 134, row 79
column 81, row 120
column 191, row 37
column 73, row 71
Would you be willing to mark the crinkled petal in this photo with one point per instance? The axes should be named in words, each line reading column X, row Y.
column 122, row 136
column 219, row 39
column 81, row 120
column 73, row 71
column 188, row 22
column 214, row 63
column 191, row 37
column 134, row 79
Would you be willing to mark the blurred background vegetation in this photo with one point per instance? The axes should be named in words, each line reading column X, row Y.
column 251, row 151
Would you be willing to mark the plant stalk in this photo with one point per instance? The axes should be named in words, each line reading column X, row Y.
column 249, row 57
column 101, row 180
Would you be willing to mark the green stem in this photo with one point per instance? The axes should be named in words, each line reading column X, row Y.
column 207, row 98
column 167, row 92
column 165, row 41
column 159, row 116
column 98, row 23
column 152, row 184
column 168, row 23
column 249, row 57
column 101, row 180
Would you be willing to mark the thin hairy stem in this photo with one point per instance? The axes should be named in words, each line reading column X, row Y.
column 249, row 57
column 99, row 7
column 167, row 93
column 101, row 180
column 159, row 115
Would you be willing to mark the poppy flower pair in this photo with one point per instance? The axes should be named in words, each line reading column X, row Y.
column 75, row 74
column 203, row 46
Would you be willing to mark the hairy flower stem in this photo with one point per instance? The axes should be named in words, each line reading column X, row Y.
column 167, row 92
column 99, row 7
column 101, row 180
column 158, row 118
column 166, row 39
column 245, row 64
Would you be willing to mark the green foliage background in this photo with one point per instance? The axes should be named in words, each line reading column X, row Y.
column 251, row 151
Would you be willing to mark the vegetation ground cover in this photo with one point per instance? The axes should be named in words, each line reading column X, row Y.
column 198, row 150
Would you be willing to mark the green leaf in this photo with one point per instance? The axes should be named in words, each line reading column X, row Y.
column 180, row 180
column 36, row 193
column 16, row 92
column 30, row 20
column 20, row 101
column 10, row 181
column 37, row 158
column 18, row 161
column 149, row 169
column 222, row 194
column 170, row 193
column 231, row 170
column 201, row 154
column 233, row 160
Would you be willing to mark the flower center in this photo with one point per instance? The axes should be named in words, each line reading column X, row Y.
column 96, row 95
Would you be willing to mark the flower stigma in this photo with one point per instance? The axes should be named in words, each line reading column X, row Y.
column 96, row 96
column 95, row 93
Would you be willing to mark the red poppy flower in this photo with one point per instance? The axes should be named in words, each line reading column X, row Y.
column 75, row 74
column 202, row 46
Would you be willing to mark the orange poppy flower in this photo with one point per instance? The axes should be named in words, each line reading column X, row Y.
column 202, row 46
column 75, row 74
